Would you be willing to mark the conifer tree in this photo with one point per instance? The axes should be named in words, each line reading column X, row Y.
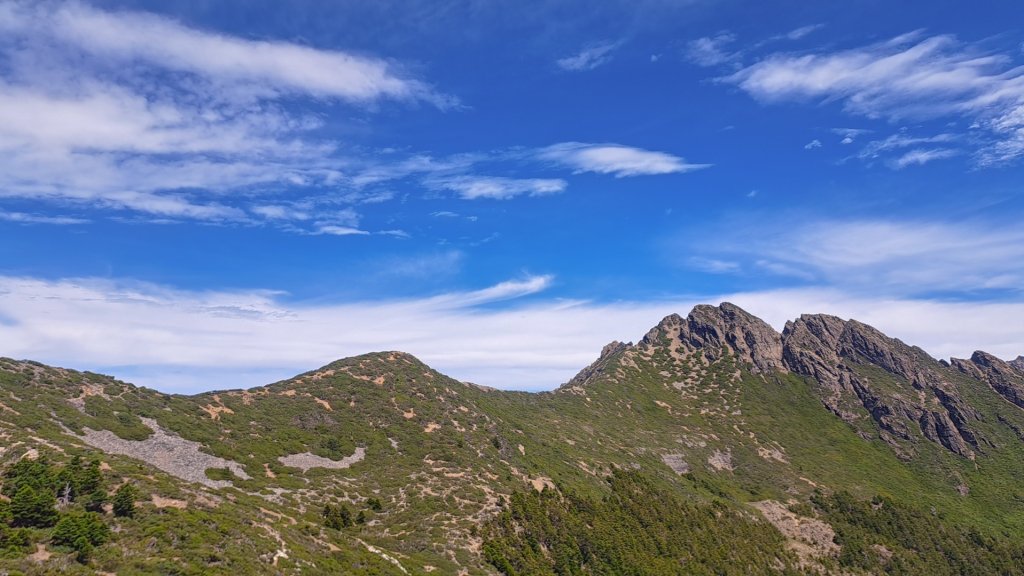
column 124, row 500
column 33, row 508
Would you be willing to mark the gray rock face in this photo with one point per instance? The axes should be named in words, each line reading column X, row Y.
column 860, row 372
column 713, row 329
column 1017, row 364
column 824, row 348
column 1002, row 376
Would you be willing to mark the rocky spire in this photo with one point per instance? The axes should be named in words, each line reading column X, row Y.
column 714, row 328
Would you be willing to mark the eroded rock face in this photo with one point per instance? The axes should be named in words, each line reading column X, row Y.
column 861, row 372
column 714, row 328
column 826, row 348
column 1017, row 364
column 1002, row 376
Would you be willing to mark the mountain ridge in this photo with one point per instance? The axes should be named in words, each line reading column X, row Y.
column 714, row 407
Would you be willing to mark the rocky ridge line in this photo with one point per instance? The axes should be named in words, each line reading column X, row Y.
column 920, row 398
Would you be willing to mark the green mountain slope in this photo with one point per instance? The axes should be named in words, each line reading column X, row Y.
column 827, row 448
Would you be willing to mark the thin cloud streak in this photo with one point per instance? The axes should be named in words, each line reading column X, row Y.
column 589, row 58
column 615, row 159
column 470, row 187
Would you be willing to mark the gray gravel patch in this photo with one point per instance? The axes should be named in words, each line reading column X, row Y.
column 307, row 460
column 168, row 452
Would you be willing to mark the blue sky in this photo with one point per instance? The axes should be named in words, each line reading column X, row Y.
column 199, row 195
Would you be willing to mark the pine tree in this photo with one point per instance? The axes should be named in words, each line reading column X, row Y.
column 89, row 477
column 337, row 517
column 96, row 499
column 33, row 509
column 124, row 500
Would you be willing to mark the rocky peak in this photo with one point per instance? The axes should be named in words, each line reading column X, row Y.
column 811, row 344
column 1018, row 364
column 1002, row 376
column 714, row 328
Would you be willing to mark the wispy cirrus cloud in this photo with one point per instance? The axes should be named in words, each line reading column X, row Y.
column 615, row 159
column 24, row 218
column 798, row 33
column 922, row 156
column 589, row 57
column 882, row 257
column 712, row 50
column 473, row 187
column 908, row 77
column 922, row 149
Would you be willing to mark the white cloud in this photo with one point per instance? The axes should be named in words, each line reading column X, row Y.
column 885, row 257
column 714, row 265
column 590, row 57
column 802, row 31
column 470, row 187
column 131, row 37
column 907, row 77
column 170, row 205
column 188, row 341
column 710, row 50
column 922, row 156
column 335, row 230
column 901, row 140
column 23, row 218
column 615, row 159
column 849, row 134
column 278, row 212
column 812, row 144
column 125, row 110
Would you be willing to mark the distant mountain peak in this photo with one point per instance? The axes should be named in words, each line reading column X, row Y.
column 1004, row 377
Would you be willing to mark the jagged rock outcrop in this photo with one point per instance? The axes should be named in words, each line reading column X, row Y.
column 1002, row 376
column 597, row 367
column 713, row 329
column 863, row 375
column 827, row 349
column 1017, row 364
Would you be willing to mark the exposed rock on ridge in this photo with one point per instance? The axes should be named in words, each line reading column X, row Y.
column 863, row 376
column 826, row 348
column 712, row 329
column 1018, row 364
column 1003, row 377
